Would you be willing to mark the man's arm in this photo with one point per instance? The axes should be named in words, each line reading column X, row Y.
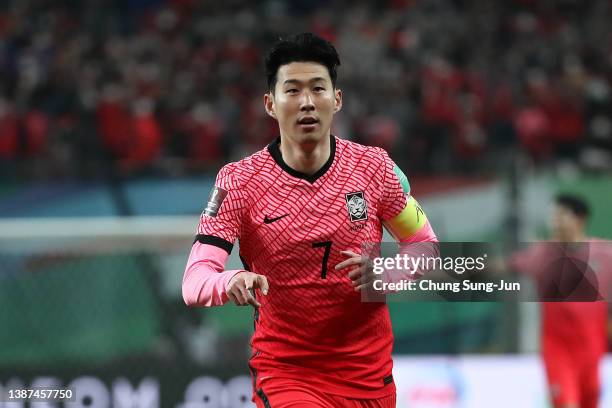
column 410, row 226
column 205, row 283
column 416, row 239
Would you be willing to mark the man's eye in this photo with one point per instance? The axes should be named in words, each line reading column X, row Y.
column 319, row 89
column 292, row 90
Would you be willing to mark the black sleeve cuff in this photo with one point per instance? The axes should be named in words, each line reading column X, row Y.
column 216, row 241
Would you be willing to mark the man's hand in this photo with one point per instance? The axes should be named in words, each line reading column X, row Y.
column 361, row 275
column 241, row 288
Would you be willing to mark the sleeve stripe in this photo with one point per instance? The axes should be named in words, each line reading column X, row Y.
column 216, row 241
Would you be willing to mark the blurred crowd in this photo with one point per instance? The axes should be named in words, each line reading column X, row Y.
column 175, row 86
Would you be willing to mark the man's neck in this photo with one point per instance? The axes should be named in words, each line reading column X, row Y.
column 578, row 237
column 306, row 158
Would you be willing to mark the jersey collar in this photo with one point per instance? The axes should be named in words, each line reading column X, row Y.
column 274, row 149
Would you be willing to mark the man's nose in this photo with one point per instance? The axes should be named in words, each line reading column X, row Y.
column 307, row 102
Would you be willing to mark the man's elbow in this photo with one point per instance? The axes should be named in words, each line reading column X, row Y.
column 428, row 234
column 195, row 295
column 188, row 297
column 191, row 292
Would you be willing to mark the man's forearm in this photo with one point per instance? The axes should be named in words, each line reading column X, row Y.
column 205, row 282
column 422, row 243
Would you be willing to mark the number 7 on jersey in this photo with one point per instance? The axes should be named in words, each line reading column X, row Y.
column 327, row 245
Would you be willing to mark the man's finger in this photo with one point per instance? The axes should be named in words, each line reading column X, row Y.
column 349, row 253
column 253, row 302
column 363, row 286
column 359, row 288
column 363, row 280
column 244, row 293
column 248, row 291
column 238, row 296
column 249, row 295
column 262, row 283
column 248, row 281
column 349, row 262
column 355, row 273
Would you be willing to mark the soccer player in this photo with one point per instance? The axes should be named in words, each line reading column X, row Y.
column 301, row 208
column 574, row 334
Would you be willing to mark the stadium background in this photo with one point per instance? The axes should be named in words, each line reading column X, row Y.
column 116, row 115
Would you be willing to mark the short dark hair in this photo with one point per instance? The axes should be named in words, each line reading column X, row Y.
column 304, row 47
column 577, row 205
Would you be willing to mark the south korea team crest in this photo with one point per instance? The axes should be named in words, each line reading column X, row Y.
column 357, row 206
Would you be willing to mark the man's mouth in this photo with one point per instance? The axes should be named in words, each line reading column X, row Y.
column 308, row 120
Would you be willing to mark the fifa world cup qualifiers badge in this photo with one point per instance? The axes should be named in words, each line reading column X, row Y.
column 357, row 206
column 217, row 195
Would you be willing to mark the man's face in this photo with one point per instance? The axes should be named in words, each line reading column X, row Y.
column 303, row 102
column 565, row 224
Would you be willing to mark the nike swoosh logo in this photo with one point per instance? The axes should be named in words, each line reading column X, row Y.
column 271, row 220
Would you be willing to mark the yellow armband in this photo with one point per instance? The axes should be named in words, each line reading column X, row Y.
column 408, row 221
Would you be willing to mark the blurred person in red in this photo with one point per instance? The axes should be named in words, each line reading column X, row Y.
column 302, row 207
column 22, row 136
column 203, row 131
column 130, row 136
column 572, row 273
column 9, row 131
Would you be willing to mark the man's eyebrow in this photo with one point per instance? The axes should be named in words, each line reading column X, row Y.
column 296, row 81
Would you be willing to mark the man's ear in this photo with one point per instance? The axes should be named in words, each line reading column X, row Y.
column 269, row 104
column 338, row 100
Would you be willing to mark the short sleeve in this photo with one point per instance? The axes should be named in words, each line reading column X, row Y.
column 221, row 220
column 396, row 189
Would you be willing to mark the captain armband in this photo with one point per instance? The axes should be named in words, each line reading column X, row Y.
column 408, row 222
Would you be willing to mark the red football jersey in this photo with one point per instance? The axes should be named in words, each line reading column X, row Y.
column 579, row 328
column 312, row 325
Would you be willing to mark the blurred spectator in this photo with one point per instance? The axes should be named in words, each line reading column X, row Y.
column 9, row 131
column 22, row 136
column 203, row 131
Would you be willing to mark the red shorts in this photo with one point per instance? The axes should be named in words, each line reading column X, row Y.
column 287, row 393
column 572, row 380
